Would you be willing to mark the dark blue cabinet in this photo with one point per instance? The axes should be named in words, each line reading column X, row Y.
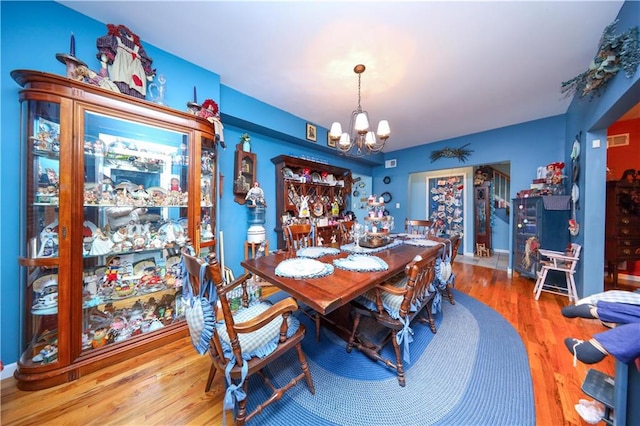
column 538, row 220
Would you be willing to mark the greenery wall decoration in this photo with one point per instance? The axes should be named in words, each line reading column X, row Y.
column 461, row 153
column 615, row 52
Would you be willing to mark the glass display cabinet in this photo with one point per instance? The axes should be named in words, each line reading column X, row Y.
column 109, row 201
column 482, row 200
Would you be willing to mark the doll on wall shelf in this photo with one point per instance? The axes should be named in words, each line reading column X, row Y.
column 256, row 195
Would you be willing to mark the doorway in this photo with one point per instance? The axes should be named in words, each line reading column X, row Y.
column 623, row 150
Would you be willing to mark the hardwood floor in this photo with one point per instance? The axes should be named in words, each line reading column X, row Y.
column 167, row 387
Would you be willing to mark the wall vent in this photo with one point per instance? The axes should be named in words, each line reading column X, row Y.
column 390, row 164
column 617, row 140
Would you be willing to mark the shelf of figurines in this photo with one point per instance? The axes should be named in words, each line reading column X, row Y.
column 135, row 237
column 118, row 153
column 119, row 303
column 120, row 279
column 114, row 323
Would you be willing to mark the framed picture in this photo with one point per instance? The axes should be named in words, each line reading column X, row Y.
column 311, row 132
column 330, row 142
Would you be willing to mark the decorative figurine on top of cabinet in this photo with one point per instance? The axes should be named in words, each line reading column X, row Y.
column 256, row 195
column 209, row 110
column 129, row 66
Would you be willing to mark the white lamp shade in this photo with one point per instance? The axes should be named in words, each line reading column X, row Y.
column 345, row 140
column 370, row 139
column 362, row 123
column 336, row 130
column 383, row 128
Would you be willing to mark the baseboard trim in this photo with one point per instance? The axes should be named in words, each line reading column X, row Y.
column 8, row 370
column 633, row 278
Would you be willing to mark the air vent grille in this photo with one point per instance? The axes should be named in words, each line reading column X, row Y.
column 618, row 140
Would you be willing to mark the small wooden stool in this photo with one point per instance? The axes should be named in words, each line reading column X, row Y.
column 482, row 250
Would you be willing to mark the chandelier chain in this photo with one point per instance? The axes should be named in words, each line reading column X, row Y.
column 359, row 96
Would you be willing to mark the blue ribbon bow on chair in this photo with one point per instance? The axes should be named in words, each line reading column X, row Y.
column 405, row 336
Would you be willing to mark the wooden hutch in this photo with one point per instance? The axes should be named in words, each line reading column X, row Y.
column 326, row 186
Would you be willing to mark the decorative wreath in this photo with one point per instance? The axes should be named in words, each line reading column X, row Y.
column 615, row 52
column 461, row 153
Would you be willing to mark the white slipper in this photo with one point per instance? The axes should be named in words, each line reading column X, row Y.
column 590, row 412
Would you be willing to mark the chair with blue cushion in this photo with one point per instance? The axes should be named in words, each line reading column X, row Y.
column 418, row 226
column 385, row 313
column 298, row 236
column 245, row 342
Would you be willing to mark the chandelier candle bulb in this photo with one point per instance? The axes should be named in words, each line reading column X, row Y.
column 383, row 129
column 362, row 124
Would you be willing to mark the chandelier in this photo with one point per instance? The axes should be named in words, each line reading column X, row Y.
column 358, row 140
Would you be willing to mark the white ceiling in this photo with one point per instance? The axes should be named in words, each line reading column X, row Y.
column 435, row 70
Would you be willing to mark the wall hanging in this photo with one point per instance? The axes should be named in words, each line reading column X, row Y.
column 615, row 52
column 461, row 153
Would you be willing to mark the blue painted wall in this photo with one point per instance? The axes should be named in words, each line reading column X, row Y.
column 526, row 146
column 33, row 32
column 592, row 117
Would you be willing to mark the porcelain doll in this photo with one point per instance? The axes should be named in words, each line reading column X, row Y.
column 101, row 244
column 256, row 195
column 48, row 243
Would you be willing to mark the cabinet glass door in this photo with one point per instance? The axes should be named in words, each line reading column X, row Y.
column 207, row 194
column 135, row 222
column 44, row 234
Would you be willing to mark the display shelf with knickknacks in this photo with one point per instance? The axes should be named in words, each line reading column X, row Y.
column 309, row 191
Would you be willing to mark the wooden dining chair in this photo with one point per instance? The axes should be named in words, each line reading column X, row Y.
column 245, row 342
column 385, row 313
column 417, row 226
column 346, row 232
column 298, row 236
column 446, row 287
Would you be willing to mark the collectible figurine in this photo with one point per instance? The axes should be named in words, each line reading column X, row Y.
column 129, row 67
column 256, row 195
column 49, row 243
column 101, row 244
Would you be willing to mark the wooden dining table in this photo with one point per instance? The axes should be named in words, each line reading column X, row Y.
column 328, row 293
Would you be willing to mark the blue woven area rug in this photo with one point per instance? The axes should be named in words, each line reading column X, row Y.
column 474, row 371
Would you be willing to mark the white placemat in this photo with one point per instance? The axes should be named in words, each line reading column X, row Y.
column 302, row 267
column 361, row 263
column 315, row 252
column 423, row 243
